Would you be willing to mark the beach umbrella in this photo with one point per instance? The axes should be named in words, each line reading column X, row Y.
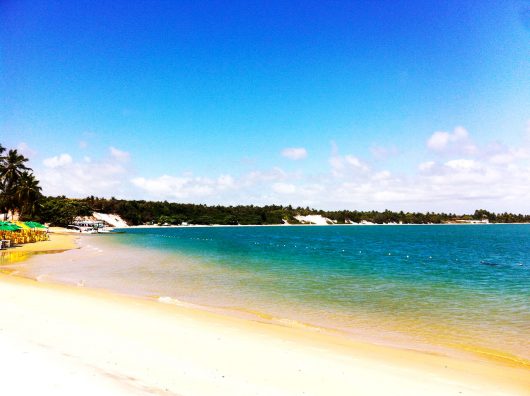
column 9, row 224
column 37, row 227
column 13, row 226
column 22, row 225
column 34, row 224
column 9, row 227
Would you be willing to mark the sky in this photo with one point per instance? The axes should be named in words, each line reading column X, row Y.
column 402, row 105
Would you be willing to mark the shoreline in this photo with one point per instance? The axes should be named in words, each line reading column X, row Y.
column 59, row 242
column 142, row 226
column 78, row 310
column 404, row 367
column 469, row 352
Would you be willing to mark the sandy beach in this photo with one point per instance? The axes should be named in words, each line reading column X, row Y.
column 59, row 241
column 71, row 340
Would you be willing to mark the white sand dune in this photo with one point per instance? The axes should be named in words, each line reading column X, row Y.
column 113, row 219
column 313, row 219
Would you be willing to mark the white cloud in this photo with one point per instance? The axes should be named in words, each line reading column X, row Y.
column 258, row 177
column 81, row 179
column 382, row 153
column 284, row 188
column 337, row 164
column 457, row 141
column 119, row 155
column 187, row 187
column 462, row 164
column 57, row 161
column 162, row 186
column 439, row 140
column 25, row 150
column 294, row 153
column 256, row 187
column 427, row 165
column 355, row 162
column 383, row 175
column 499, row 154
column 62, row 175
column 225, row 181
column 345, row 165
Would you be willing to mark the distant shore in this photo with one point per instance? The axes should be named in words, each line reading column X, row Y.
column 315, row 225
column 83, row 341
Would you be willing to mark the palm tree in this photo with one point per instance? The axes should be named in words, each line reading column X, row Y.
column 28, row 194
column 3, row 201
column 12, row 166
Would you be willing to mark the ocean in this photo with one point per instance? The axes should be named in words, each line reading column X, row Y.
column 450, row 289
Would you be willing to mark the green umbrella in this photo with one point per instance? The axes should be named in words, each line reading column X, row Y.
column 34, row 224
column 13, row 225
column 5, row 226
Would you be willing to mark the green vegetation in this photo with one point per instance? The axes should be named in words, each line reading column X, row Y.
column 58, row 209
column 19, row 190
column 61, row 210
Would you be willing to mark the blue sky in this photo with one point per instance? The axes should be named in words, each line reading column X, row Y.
column 362, row 105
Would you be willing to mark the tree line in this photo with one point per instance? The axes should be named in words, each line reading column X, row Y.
column 62, row 210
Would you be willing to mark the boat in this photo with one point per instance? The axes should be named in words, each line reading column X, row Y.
column 98, row 227
column 81, row 229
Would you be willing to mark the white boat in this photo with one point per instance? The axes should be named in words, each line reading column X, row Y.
column 80, row 229
column 96, row 226
column 104, row 230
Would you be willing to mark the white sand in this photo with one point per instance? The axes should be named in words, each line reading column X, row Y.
column 313, row 219
column 32, row 369
column 113, row 219
column 64, row 340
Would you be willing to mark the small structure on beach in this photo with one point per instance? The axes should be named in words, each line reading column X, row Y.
column 483, row 221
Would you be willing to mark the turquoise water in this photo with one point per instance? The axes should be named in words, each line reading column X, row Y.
column 461, row 287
